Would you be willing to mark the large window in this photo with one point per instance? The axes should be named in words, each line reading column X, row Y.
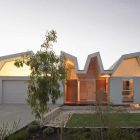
column 127, row 90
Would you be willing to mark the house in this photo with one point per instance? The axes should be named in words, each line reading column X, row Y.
column 119, row 85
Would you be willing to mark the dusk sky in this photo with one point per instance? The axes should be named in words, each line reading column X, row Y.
column 111, row 27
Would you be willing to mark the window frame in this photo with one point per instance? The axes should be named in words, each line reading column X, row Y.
column 129, row 90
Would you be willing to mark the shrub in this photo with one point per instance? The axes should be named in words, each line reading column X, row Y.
column 22, row 135
column 32, row 128
column 35, row 123
column 48, row 131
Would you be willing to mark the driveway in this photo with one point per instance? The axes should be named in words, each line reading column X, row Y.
column 15, row 112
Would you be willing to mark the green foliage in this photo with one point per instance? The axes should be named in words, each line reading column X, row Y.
column 32, row 128
column 35, row 123
column 95, row 134
column 47, row 70
column 48, row 131
column 22, row 135
column 6, row 129
column 80, row 137
column 121, row 134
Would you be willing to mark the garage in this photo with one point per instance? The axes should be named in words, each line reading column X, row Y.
column 14, row 91
column 13, row 80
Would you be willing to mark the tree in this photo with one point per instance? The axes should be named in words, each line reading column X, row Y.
column 47, row 70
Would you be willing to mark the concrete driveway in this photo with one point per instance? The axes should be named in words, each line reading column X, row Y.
column 15, row 112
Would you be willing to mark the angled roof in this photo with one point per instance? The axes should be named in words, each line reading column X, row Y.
column 71, row 57
column 123, row 57
column 93, row 55
column 4, row 59
column 96, row 55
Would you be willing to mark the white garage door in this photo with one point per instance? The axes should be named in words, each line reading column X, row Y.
column 14, row 91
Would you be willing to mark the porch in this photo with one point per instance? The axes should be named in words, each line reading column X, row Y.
column 86, row 91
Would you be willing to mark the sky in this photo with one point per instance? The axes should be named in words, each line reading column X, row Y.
column 111, row 27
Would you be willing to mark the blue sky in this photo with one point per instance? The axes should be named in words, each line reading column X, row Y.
column 111, row 27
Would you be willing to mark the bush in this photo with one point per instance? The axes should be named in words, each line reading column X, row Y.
column 48, row 131
column 22, row 135
column 35, row 123
column 32, row 128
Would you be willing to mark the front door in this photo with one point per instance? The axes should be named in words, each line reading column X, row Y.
column 87, row 91
column 71, row 91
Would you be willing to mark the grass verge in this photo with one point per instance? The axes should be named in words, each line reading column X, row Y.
column 105, row 120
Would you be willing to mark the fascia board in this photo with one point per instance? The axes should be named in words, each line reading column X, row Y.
column 84, row 71
column 4, row 58
column 100, row 64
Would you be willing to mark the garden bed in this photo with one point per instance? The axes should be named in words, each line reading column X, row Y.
column 112, row 126
column 79, row 134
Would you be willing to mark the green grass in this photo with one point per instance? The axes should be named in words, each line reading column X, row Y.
column 108, row 119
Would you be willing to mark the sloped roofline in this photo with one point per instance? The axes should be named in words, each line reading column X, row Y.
column 93, row 55
column 113, row 68
column 4, row 59
column 123, row 57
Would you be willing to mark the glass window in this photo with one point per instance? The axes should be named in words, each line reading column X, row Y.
column 127, row 91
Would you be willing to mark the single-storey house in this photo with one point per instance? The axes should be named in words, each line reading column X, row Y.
column 118, row 85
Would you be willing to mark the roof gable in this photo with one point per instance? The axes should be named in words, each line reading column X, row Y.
column 12, row 57
column 124, row 57
column 89, row 58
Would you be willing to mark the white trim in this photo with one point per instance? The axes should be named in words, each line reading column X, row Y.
column 12, row 57
column 93, row 55
column 16, row 55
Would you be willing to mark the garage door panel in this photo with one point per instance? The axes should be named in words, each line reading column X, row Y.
column 14, row 91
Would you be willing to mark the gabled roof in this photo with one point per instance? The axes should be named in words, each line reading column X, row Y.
column 71, row 57
column 123, row 57
column 96, row 55
column 93, row 55
column 4, row 59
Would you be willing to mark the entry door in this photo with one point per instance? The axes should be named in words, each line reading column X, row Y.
column 71, row 93
column 90, row 90
column 87, row 90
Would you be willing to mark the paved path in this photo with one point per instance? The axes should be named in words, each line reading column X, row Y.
column 10, row 113
column 64, row 115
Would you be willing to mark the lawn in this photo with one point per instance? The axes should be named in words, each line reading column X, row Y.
column 107, row 119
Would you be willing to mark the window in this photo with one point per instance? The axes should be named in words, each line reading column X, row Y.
column 127, row 91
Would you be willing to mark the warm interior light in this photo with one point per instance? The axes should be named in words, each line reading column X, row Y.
column 105, row 75
column 134, row 105
column 69, row 62
column 9, row 69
